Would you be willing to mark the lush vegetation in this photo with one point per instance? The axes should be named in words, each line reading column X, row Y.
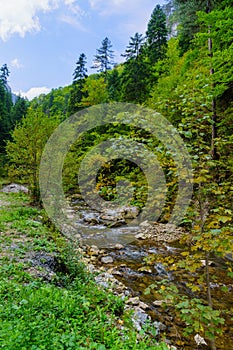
column 187, row 77
column 56, row 305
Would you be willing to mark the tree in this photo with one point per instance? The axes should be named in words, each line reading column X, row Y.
column 25, row 150
column 186, row 13
column 4, row 74
column 95, row 90
column 5, row 114
column 135, row 75
column 80, row 75
column 135, row 81
column 80, row 71
column 103, row 58
column 114, row 85
column 19, row 110
column 156, row 35
column 55, row 103
column 134, row 48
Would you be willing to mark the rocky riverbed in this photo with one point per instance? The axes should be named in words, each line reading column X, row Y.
column 117, row 251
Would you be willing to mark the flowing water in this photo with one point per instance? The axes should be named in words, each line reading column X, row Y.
column 137, row 275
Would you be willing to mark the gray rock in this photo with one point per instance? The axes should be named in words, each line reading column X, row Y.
column 139, row 318
column 107, row 260
column 130, row 212
column 91, row 218
column 14, row 188
column 159, row 326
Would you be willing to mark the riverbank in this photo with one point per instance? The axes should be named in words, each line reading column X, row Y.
column 48, row 300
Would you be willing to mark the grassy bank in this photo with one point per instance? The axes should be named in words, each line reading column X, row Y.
column 47, row 298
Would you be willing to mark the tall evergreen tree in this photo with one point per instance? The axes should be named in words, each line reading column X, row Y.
column 103, row 60
column 134, row 49
column 79, row 77
column 4, row 74
column 80, row 71
column 156, row 35
column 135, row 82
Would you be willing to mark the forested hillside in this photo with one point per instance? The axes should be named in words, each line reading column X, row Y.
column 182, row 67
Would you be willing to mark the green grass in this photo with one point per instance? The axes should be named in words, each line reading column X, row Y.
column 67, row 312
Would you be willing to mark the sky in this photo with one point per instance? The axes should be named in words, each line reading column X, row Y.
column 41, row 40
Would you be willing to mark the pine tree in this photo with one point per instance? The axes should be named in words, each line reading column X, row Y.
column 135, row 82
column 4, row 74
column 156, row 35
column 103, row 58
column 80, row 71
column 134, row 48
column 79, row 77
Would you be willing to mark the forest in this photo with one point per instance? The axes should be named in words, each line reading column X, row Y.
column 181, row 68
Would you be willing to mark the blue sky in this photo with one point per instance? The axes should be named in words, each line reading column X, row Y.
column 41, row 40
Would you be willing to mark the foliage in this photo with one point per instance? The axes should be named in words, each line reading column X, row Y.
column 10, row 112
column 25, row 149
column 55, row 103
column 66, row 312
column 95, row 91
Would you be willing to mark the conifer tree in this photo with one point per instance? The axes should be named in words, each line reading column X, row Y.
column 79, row 77
column 4, row 74
column 134, row 48
column 156, row 35
column 103, row 60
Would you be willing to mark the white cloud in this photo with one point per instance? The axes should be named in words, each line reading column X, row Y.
column 34, row 92
column 19, row 16
column 22, row 16
column 15, row 63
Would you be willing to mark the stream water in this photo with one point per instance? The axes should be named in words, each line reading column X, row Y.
column 137, row 275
